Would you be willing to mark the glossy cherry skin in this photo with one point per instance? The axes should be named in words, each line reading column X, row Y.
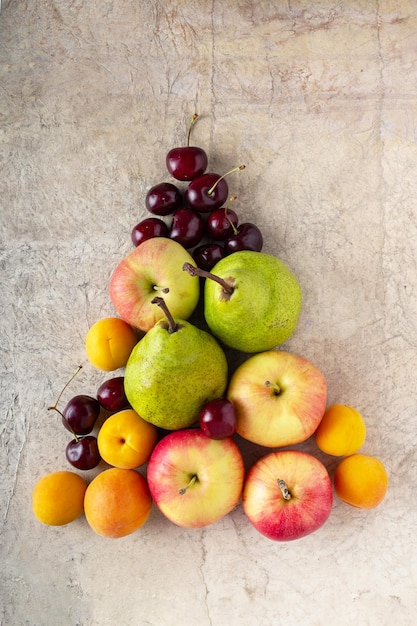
column 187, row 227
column 80, row 414
column 187, row 162
column 219, row 223
column 111, row 395
column 147, row 229
column 197, row 196
column 163, row 199
column 248, row 237
column 207, row 255
column 217, row 419
column 83, row 454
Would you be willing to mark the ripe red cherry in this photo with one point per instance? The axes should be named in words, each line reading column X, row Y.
column 80, row 414
column 248, row 237
column 221, row 223
column 163, row 199
column 207, row 255
column 83, row 452
column 111, row 394
column 187, row 227
column 147, row 229
column 187, row 162
column 209, row 191
column 217, row 419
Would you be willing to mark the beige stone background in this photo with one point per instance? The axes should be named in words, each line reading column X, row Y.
column 319, row 100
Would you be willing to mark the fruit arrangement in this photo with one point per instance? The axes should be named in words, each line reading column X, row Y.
column 194, row 292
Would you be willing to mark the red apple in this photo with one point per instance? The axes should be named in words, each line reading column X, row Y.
column 279, row 398
column 287, row 495
column 153, row 268
column 195, row 480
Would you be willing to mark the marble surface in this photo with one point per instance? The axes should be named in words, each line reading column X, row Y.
column 318, row 99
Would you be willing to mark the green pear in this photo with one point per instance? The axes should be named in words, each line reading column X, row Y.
column 252, row 300
column 173, row 371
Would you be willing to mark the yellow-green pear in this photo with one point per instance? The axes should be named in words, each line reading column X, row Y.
column 173, row 371
column 252, row 300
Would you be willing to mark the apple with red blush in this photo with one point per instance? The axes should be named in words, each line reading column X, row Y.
column 287, row 495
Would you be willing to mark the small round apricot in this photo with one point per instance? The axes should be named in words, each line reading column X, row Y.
column 58, row 498
column 109, row 343
column 125, row 440
column 117, row 502
column 361, row 481
column 341, row 432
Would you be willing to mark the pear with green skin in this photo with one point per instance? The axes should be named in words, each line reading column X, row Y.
column 252, row 300
column 173, row 371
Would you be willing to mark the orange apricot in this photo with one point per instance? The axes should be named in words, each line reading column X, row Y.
column 125, row 440
column 341, row 432
column 109, row 343
column 58, row 498
column 361, row 481
column 117, row 502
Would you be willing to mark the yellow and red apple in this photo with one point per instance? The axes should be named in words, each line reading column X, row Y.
column 195, row 480
column 279, row 398
column 153, row 268
column 287, row 495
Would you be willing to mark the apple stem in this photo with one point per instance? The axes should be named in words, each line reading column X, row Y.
column 276, row 389
column 193, row 119
column 172, row 326
column 284, row 489
column 235, row 169
column 163, row 289
column 197, row 271
column 183, row 490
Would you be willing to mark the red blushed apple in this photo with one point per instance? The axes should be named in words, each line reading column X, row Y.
column 287, row 495
column 279, row 398
column 153, row 268
column 195, row 480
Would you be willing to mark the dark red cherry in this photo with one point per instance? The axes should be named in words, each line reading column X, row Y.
column 80, row 414
column 111, row 394
column 147, row 229
column 187, row 227
column 217, row 419
column 203, row 196
column 248, row 237
column 187, row 162
column 221, row 223
column 83, row 452
column 207, row 255
column 163, row 199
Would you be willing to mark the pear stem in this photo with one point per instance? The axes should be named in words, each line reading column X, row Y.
column 284, row 489
column 193, row 119
column 172, row 326
column 276, row 389
column 235, row 169
column 197, row 271
column 183, row 490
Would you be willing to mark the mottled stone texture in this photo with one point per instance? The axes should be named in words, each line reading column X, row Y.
column 318, row 99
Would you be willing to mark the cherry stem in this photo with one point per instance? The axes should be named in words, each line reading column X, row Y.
column 235, row 169
column 193, row 119
column 232, row 199
column 284, row 489
column 172, row 326
column 55, row 406
column 183, row 490
column 197, row 271
column 276, row 389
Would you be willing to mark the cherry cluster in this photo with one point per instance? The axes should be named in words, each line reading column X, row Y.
column 80, row 417
column 201, row 217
